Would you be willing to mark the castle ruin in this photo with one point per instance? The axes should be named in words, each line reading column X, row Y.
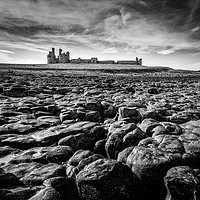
column 62, row 57
column 65, row 58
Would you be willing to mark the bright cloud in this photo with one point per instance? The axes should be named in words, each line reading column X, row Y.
column 142, row 27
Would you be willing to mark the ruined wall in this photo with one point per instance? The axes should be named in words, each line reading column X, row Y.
column 107, row 62
column 65, row 58
column 127, row 62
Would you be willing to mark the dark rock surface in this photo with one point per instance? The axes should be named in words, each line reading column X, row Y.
column 107, row 179
column 68, row 135
column 182, row 182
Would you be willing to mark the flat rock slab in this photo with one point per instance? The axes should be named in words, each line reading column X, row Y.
column 54, row 134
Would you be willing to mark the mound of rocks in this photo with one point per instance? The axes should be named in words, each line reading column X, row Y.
column 66, row 136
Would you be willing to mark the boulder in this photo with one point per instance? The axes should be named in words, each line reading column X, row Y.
column 22, row 169
column 16, row 91
column 66, row 187
column 148, row 125
column 5, row 150
column 59, row 154
column 191, row 143
column 53, row 134
column 99, row 147
column 39, row 175
column 84, row 140
column 78, row 156
column 93, row 116
column 150, row 165
column 20, row 193
column 22, row 142
column 152, row 91
column 121, row 137
column 131, row 113
column 182, row 183
column 8, row 180
column 171, row 144
column 52, row 120
column 87, row 161
column 47, row 193
column 106, row 179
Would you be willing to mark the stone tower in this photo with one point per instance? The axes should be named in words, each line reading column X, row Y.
column 140, row 61
column 51, row 58
column 94, row 60
column 63, row 57
column 137, row 61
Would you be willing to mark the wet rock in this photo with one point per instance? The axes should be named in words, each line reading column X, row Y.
column 44, row 155
column 20, row 193
column 149, row 142
column 131, row 113
column 153, row 91
column 148, row 125
column 52, row 120
column 144, row 161
column 8, row 180
column 171, row 144
column 5, row 150
column 154, row 114
column 48, row 136
column 54, row 134
column 182, row 183
column 72, row 114
column 78, row 156
column 66, row 187
column 191, row 145
column 1, row 90
column 99, row 147
column 22, row 169
column 122, row 136
column 16, row 91
column 133, row 138
column 41, row 113
column 20, row 142
column 87, row 161
column 152, row 127
column 130, row 89
column 123, row 155
column 150, row 165
column 93, row 116
column 179, row 118
column 18, row 128
column 39, row 175
column 107, row 179
column 59, row 154
column 93, row 105
column 84, row 140
column 172, row 128
column 47, row 193
column 92, row 92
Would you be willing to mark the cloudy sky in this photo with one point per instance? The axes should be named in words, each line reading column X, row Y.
column 162, row 32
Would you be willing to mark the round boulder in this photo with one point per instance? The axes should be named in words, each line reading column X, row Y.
column 107, row 179
column 182, row 183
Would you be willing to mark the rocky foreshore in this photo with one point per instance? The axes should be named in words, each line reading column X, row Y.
column 99, row 137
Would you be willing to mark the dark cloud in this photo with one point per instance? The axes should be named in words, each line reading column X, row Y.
column 24, row 27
